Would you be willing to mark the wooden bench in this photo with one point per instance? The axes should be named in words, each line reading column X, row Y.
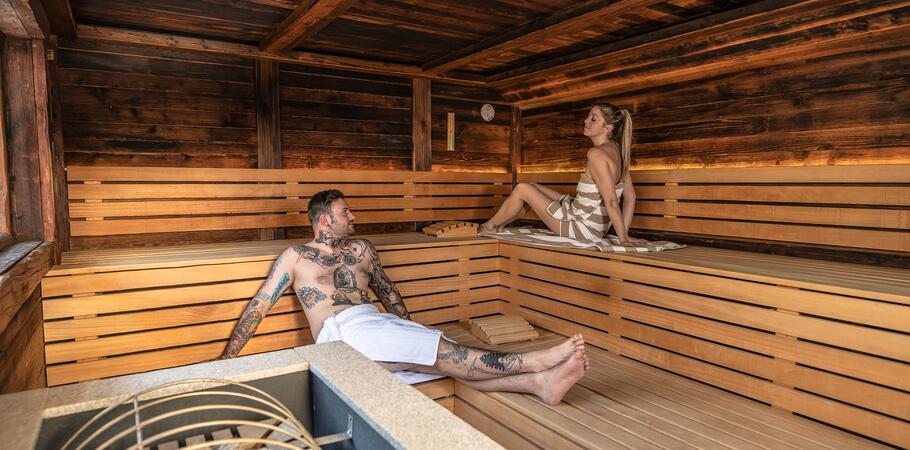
column 824, row 340
column 116, row 312
column 622, row 403
column 829, row 341
column 858, row 207
column 106, row 204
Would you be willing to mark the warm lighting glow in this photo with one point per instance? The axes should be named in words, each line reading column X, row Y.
column 470, row 169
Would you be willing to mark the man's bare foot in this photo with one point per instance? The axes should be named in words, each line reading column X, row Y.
column 558, row 380
column 541, row 360
column 486, row 228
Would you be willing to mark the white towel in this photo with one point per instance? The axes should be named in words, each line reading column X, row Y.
column 384, row 337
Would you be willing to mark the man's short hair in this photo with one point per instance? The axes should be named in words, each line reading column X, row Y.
column 321, row 203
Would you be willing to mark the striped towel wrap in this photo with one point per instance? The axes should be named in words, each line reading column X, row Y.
column 583, row 222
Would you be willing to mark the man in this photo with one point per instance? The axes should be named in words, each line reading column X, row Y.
column 331, row 276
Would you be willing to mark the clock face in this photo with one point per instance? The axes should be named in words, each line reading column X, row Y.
column 487, row 112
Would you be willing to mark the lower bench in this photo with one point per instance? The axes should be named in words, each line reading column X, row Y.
column 827, row 341
column 621, row 403
column 118, row 312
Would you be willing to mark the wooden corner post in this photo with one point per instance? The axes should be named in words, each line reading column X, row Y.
column 422, row 126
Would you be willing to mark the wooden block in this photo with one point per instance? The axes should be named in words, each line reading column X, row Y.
column 448, row 229
column 502, row 329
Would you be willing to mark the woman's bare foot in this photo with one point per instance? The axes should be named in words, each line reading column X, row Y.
column 486, row 227
column 558, row 380
column 541, row 360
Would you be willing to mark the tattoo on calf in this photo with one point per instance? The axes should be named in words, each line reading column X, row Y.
column 310, row 296
column 501, row 362
column 454, row 352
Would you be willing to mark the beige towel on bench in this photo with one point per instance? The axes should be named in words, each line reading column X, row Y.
column 610, row 243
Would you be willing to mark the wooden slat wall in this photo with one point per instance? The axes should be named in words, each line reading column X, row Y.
column 111, row 201
column 479, row 145
column 851, row 108
column 837, row 359
column 138, row 320
column 336, row 119
column 125, row 106
column 864, row 207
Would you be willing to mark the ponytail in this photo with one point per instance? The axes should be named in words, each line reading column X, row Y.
column 625, row 140
column 622, row 132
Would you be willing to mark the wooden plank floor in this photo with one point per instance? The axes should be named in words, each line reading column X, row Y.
column 621, row 403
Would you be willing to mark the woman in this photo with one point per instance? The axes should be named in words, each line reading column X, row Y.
column 587, row 215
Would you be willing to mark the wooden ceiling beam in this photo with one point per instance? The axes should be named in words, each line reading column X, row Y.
column 147, row 39
column 573, row 18
column 23, row 19
column 603, row 52
column 60, row 16
column 804, row 30
column 306, row 20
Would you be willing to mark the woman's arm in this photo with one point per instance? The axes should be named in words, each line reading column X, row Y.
column 601, row 168
column 628, row 201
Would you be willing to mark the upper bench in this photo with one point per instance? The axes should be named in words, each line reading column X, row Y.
column 110, row 201
column 864, row 207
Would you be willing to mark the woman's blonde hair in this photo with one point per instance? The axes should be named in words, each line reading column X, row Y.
column 622, row 131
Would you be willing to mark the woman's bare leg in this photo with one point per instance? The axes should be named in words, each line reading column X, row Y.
column 523, row 196
column 550, row 193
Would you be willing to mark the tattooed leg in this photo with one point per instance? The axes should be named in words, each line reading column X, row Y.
column 550, row 385
column 475, row 364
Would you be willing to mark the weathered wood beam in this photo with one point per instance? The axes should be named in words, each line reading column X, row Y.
column 60, row 18
column 23, row 19
column 148, row 39
column 421, row 137
column 307, row 19
column 602, row 52
column 813, row 29
column 28, row 140
column 268, row 126
column 58, row 172
column 572, row 18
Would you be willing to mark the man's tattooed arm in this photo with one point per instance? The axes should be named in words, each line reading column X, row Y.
column 280, row 277
column 384, row 288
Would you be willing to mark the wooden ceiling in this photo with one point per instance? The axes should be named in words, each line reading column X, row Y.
column 520, row 47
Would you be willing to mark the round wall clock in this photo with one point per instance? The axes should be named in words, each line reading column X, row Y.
column 487, row 112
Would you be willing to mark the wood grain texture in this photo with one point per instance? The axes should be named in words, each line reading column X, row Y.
column 421, row 137
column 306, row 20
column 675, row 317
column 201, row 290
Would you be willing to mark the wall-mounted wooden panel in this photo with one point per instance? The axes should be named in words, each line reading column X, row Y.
column 852, row 108
column 126, row 106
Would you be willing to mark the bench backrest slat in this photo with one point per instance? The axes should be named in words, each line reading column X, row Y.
column 864, row 207
column 108, row 201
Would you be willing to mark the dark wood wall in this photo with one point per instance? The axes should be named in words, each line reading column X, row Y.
column 339, row 119
column 479, row 145
column 852, row 108
column 126, row 106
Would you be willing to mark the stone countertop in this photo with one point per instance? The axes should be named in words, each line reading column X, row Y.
column 404, row 416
